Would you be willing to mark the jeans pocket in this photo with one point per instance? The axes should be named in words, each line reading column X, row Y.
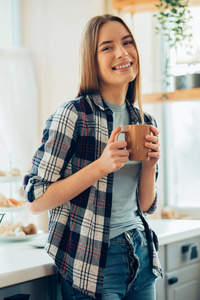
column 143, row 238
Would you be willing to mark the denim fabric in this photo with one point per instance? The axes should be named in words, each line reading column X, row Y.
column 128, row 274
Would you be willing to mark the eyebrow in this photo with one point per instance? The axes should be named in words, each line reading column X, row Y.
column 108, row 42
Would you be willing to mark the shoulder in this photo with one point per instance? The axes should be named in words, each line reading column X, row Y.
column 149, row 119
column 81, row 104
column 73, row 104
column 68, row 109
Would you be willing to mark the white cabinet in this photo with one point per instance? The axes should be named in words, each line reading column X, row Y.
column 181, row 267
column 183, row 284
column 160, row 283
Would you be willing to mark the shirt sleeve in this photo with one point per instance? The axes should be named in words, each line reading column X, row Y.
column 151, row 120
column 57, row 148
column 153, row 207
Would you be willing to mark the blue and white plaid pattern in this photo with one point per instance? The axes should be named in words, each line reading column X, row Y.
column 74, row 136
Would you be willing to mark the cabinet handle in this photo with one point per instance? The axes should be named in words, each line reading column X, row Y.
column 173, row 280
column 194, row 252
column 190, row 251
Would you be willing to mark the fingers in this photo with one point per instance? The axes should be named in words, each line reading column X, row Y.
column 153, row 138
column 153, row 143
column 155, row 150
column 154, row 130
column 118, row 145
column 113, row 133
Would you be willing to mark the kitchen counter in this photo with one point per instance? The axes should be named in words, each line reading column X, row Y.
column 171, row 231
column 21, row 261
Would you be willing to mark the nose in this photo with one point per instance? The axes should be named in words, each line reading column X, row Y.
column 120, row 52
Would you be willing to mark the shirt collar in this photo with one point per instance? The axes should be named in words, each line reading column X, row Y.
column 134, row 112
column 97, row 99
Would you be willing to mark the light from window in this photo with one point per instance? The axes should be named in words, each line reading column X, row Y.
column 182, row 153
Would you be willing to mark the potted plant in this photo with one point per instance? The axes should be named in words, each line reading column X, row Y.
column 173, row 18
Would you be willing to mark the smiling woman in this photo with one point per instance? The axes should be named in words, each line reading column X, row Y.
column 89, row 82
column 77, row 170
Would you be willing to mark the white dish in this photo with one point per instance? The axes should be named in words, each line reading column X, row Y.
column 24, row 238
column 12, row 208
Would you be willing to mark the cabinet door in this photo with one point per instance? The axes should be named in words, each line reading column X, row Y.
column 160, row 282
column 183, row 284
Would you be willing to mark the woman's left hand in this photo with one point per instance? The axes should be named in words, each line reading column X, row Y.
column 154, row 145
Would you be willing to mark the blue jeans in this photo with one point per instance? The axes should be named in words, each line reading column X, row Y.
column 128, row 274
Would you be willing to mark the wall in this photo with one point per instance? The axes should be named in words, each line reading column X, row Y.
column 5, row 28
column 51, row 30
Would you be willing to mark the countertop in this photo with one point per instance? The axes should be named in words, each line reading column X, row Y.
column 170, row 231
column 22, row 261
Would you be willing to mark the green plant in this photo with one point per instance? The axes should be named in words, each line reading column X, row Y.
column 173, row 18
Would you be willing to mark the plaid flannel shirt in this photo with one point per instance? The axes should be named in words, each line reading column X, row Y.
column 74, row 136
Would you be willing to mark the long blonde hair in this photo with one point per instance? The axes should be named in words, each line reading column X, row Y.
column 89, row 82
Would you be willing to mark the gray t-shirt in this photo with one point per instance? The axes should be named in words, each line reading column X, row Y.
column 124, row 204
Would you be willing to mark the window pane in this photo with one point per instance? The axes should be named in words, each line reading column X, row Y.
column 182, row 153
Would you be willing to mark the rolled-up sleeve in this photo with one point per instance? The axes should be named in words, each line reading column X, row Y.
column 57, row 148
column 153, row 207
column 151, row 120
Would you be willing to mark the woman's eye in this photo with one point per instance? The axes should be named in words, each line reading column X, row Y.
column 128, row 43
column 107, row 48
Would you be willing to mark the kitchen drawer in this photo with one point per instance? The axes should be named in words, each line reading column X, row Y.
column 183, row 284
column 182, row 253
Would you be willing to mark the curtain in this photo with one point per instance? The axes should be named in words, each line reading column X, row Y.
column 18, row 110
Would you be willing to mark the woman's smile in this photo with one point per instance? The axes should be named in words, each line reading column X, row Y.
column 123, row 66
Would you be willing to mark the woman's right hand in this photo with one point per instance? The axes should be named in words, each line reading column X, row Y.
column 114, row 155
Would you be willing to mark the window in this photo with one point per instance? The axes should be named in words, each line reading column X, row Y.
column 186, row 59
column 181, row 127
column 18, row 106
column 18, row 94
column 182, row 151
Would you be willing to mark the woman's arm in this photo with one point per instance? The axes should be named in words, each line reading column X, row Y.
column 61, row 191
column 147, row 175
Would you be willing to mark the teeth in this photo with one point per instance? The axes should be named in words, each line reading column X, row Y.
column 123, row 66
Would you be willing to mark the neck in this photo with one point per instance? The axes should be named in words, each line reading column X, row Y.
column 116, row 96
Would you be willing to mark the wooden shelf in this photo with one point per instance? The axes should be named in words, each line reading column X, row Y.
column 178, row 95
column 134, row 6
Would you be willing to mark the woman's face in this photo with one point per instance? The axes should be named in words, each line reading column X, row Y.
column 117, row 58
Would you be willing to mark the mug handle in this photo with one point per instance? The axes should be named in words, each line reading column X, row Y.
column 117, row 134
column 116, row 137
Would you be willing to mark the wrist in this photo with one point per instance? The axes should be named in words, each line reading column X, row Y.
column 101, row 168
column 147, row 168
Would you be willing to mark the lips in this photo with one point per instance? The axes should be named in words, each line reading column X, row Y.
column 123, row 65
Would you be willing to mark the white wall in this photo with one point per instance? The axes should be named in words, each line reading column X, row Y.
column 51, row 30
column 5, row 28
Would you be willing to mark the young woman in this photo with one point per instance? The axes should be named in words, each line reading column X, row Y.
column 98, row 199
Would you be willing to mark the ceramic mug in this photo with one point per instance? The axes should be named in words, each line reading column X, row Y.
column 135, row 138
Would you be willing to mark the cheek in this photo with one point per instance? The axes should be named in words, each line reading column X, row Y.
column 101, row 66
